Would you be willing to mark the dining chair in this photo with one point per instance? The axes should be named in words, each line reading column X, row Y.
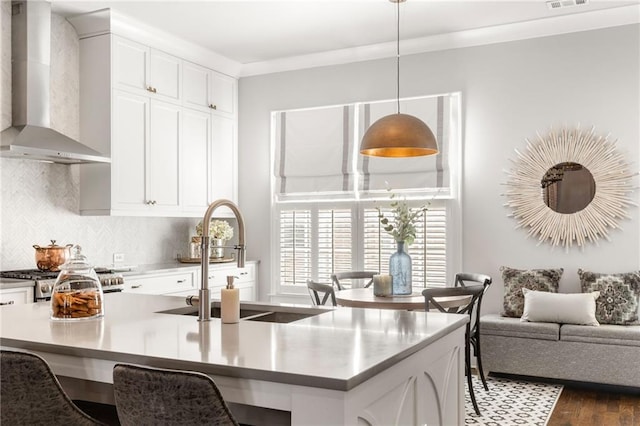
column 352, row 275
column 154, row 396
column 316, row 289
column 474, row 292
column 31, row 394
column 462, row 280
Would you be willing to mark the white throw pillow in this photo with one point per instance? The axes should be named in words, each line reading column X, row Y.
column 563, row 308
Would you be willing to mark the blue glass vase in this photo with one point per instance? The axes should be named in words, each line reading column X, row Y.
column 400, row 270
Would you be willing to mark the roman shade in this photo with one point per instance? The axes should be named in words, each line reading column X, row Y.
column 425, row 174
column 316, row 152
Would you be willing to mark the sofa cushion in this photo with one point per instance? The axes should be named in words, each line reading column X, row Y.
column 619, row 295
column 497, row 325
column 533, row 279
column 563, row 308
column 606, row 334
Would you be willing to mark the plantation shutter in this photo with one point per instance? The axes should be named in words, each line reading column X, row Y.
column 426, row 174
column 313, row 153
column 295, row 247
column 335, row 248
column 428, row 251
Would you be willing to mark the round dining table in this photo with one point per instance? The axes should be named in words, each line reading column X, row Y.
column 364, row 298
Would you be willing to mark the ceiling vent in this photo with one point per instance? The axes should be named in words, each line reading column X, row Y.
column 559, row 4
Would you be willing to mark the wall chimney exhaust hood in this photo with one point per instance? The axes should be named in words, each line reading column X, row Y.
column 31, row 136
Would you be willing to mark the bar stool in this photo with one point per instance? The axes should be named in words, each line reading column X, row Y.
column 430, row 294
column 31, row 393
column 154, row 396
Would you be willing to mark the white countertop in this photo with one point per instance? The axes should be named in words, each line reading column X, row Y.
column 337, row 349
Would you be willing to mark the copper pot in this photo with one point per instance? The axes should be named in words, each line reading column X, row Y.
column 50, row 258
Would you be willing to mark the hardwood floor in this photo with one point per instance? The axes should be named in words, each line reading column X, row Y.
column 586, row 407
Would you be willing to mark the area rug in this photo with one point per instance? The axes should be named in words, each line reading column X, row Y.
column 511, row 402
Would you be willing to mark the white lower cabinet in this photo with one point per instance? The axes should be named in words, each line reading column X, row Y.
column 161, row 283
column 16, row 296
column 187, row 283
column 245, row 280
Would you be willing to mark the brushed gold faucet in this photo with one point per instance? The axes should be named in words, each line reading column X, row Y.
column 204, row 297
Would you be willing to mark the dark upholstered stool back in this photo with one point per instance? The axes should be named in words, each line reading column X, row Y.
column 30, row 394
column 153, row 396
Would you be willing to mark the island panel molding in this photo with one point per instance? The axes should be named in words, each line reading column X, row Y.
column 531, row 180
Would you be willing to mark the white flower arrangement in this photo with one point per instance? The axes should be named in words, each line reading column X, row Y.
column 219, row 229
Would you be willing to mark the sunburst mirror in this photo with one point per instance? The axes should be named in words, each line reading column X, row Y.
column 569, row 187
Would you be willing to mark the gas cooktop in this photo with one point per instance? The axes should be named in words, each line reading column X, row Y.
column 37, row 274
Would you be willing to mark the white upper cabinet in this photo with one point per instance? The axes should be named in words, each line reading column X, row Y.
column 165, row 75
column 138, row 67
column 130, row 123
column 223, row 159
column 173, row 150
column 130, row 64
column 196, row 146
column 207, row 89
column 163, row 156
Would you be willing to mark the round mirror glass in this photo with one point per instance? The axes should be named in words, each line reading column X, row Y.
column 568, row 187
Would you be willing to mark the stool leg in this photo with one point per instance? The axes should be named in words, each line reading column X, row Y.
column 476, row 350
column 467, row 367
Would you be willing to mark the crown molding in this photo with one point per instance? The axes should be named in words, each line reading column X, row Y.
column 107, row 21
column 624, row 15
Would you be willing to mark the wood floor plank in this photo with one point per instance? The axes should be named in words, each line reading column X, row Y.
column 587, row 407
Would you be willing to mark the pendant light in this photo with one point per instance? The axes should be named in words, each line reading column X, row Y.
column 398, row 135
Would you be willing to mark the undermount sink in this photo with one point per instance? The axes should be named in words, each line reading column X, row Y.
column 280, row 315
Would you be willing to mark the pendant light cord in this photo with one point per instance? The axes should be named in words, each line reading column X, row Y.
column 398, row 56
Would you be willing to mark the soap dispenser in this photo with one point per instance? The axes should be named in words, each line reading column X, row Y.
column 230, row 303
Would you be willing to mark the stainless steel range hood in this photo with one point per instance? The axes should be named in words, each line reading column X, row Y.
column 31, row 136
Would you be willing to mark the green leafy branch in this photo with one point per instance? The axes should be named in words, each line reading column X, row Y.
column 402, row 226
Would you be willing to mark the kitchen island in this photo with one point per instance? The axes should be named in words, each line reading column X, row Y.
column 336, row 366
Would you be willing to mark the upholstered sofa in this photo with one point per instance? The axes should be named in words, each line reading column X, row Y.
column 606, row 354
column 555, row 346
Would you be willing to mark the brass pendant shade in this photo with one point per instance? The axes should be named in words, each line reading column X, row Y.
column 398, row 135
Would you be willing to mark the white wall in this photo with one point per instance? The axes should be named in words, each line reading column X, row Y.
column 509, row 92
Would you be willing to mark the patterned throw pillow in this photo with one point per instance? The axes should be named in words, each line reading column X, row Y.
column 619, row 296
column 533, row 279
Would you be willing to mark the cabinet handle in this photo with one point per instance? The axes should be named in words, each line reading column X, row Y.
column 244, row 273
column 213, row 106
column 181, row 281
column 151, row 202
column 152, row 89
column 9, row 302
column 136, row 286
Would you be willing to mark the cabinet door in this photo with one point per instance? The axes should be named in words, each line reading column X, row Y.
column 196, row 86
column 165, row 75
column 223, row 158
column 163, row 156
column 16, row 296
column 194, row 165
column 130, row 136
column 163, row 283
column 223, row 93
column 130, row 62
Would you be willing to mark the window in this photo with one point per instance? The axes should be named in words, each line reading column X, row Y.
column 325, row 194
column 319, row 239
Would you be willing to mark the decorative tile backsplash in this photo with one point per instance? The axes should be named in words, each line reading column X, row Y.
column 40, row 202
